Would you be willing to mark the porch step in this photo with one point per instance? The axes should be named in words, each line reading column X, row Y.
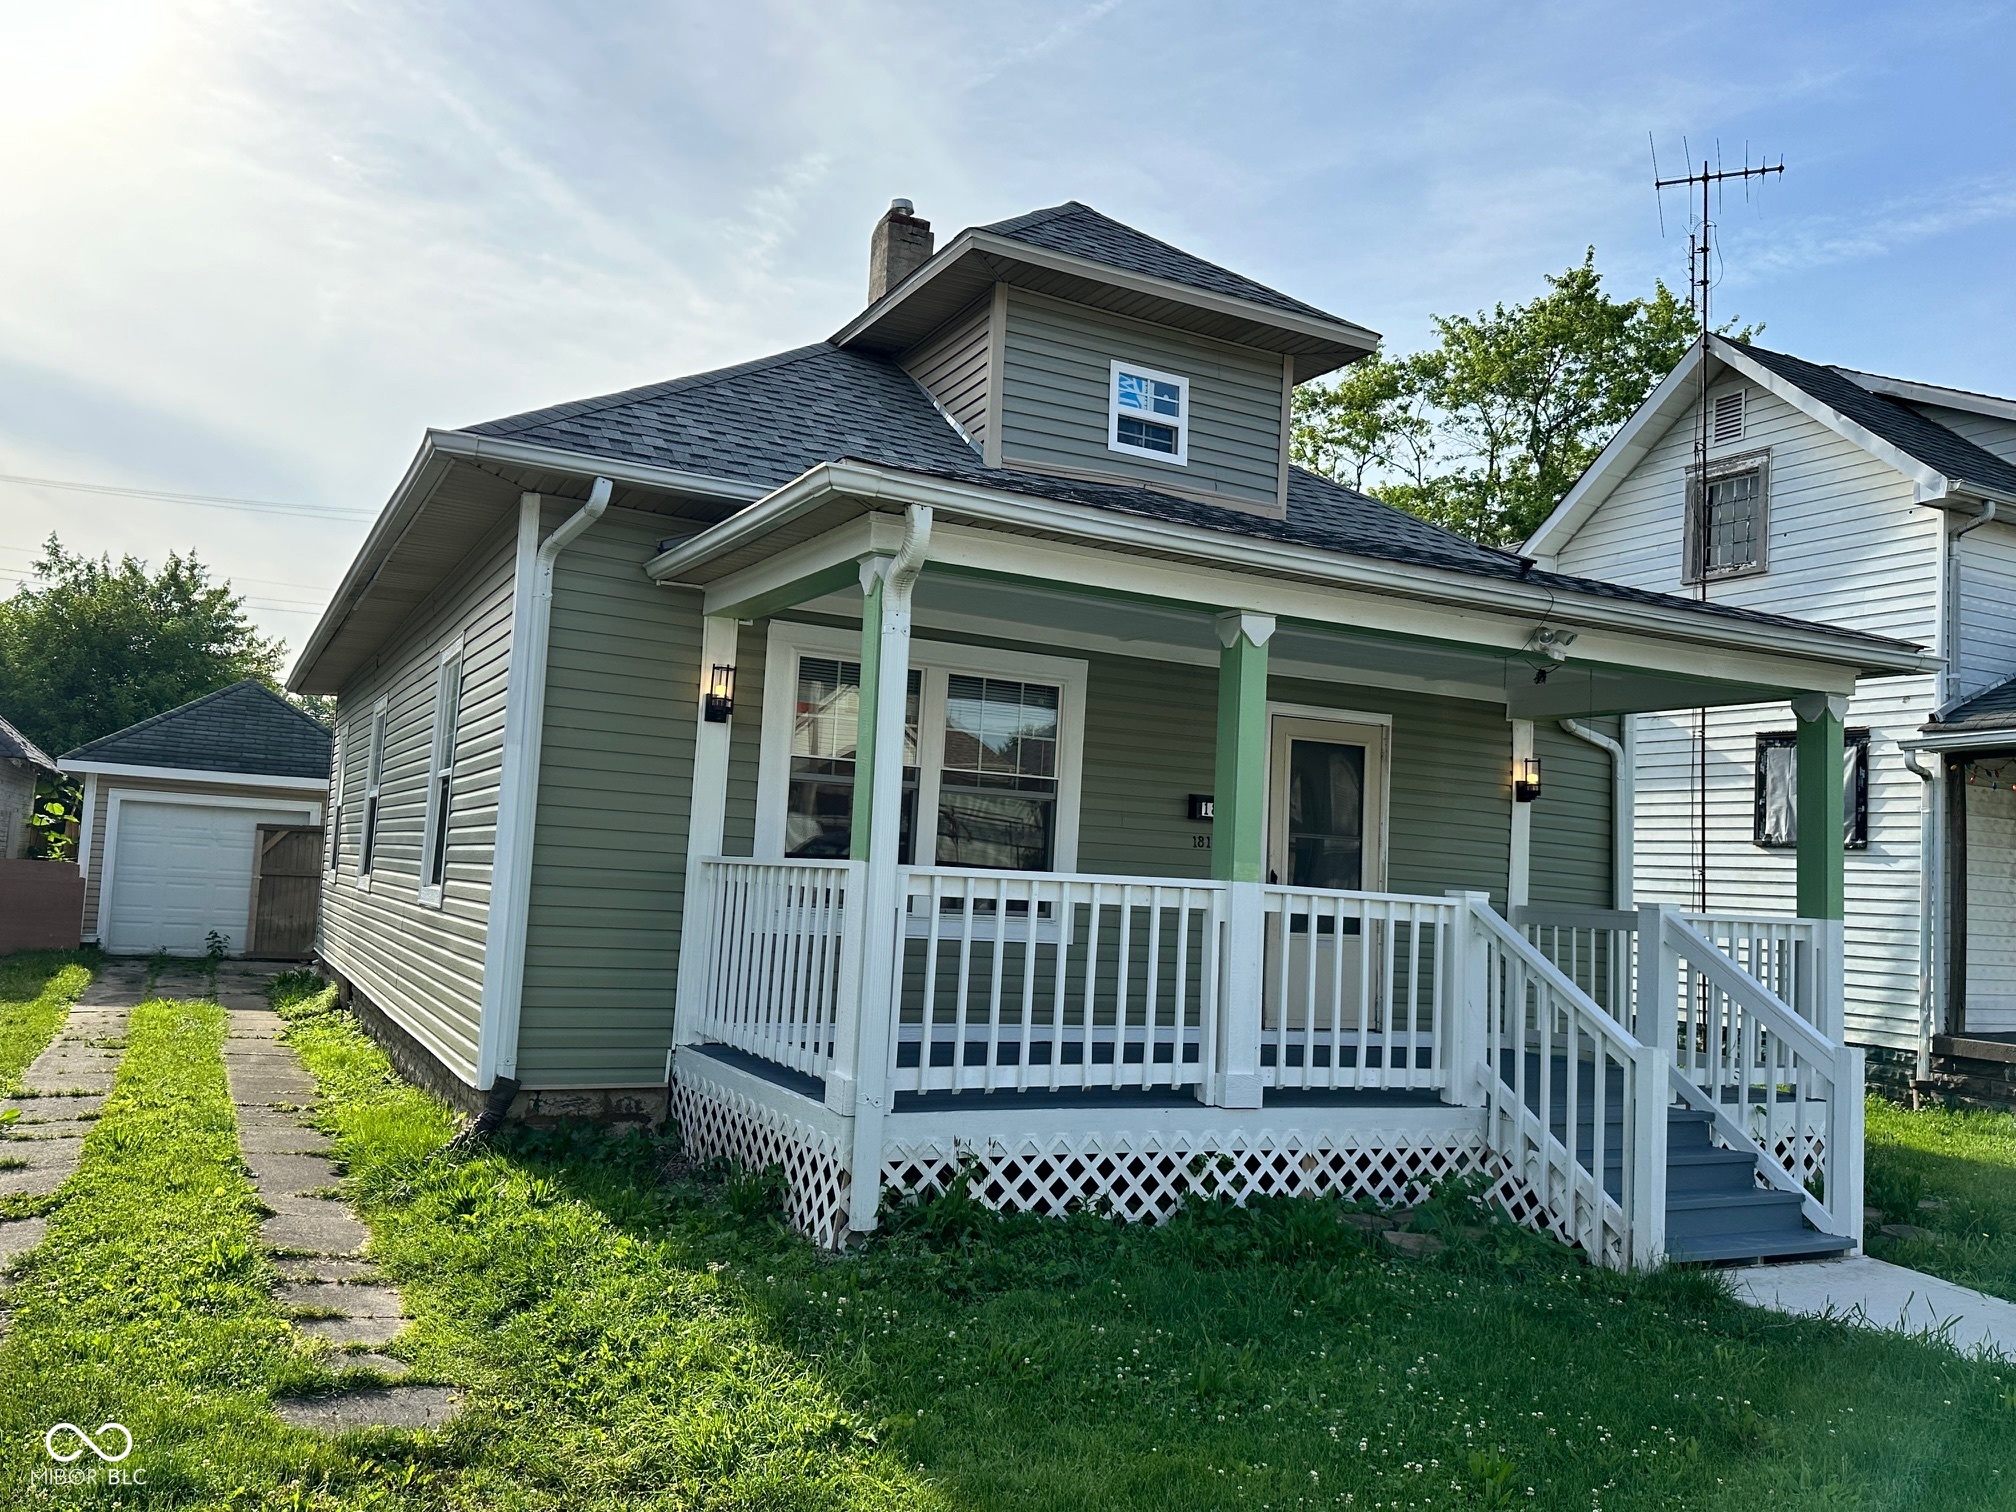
column 1707, row 1170
column 1717, row 1214
column 1699, row 1213
column 1758, row 1248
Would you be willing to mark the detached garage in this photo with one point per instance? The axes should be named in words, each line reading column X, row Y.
column 205, row 823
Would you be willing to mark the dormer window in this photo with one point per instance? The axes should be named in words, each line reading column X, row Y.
column 1150, row 415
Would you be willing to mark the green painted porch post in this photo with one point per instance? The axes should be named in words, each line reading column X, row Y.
column 1821, row 816
column 859, row 834
column 1239, row 786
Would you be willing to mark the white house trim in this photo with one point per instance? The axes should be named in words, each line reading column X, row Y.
column 193, row 774
column 84, row 826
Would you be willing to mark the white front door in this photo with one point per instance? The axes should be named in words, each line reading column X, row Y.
column 1326, row 827
column 180, row 871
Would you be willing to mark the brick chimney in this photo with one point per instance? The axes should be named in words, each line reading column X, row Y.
column 901, row 245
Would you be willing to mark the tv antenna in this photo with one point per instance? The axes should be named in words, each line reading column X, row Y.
column 1712, row 180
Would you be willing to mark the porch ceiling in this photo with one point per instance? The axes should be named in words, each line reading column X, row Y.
column 958, row 603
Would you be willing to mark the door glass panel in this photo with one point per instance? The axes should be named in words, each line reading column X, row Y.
column 819, row 807
column 1326, row 815
column 997, row 793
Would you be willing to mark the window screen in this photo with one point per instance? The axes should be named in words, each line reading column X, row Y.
column 1776, row 823
column 819, row 807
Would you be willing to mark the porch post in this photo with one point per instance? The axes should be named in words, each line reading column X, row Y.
column 1238, row 850
column 1519, row 863
column 706, row 818
column 1821, row 846
column 873, row 843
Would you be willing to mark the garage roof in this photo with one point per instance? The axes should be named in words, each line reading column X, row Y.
column 246, row 727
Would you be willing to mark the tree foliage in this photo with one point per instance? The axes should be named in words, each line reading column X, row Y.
column 89, row 647
column 1485, row 430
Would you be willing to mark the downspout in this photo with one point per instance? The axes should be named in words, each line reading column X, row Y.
column 1623, row 801
column 518, row 795
column 1932, row 871
column 1949, row 675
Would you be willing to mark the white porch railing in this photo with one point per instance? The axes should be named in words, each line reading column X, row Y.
column 1577, row 1105
column 1017, row 980
column 1574, row 1029
column 1356, row 989
column 772, row 973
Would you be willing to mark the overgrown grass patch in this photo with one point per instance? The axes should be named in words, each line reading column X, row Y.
column 1952, row 1174
column 36, row 990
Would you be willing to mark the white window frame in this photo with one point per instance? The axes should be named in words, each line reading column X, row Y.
column 1694, row 534
column 1181, row 457
column 332, row 849
column 441, row 772
column 374, row 783
column 937, row 660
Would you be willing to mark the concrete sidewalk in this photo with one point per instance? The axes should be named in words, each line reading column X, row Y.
column 1870, row 1293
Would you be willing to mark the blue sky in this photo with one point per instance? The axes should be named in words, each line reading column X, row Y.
column 253, row 250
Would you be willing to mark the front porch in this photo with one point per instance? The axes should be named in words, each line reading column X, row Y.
column 937, row 956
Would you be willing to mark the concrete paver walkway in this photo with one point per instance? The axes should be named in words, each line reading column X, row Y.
column 61, row 1094
column 1876, row 1294
column 319, row 1245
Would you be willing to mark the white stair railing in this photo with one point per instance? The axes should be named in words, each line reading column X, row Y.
column 1575, row 1106
column 1772, row 1082
column 1595, row 948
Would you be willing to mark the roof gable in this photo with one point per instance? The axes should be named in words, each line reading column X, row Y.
column 1939, row 461
column 246, row 728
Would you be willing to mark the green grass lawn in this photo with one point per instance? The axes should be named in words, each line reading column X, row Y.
column 630, row 1333
column 1952, row 1174
column 36, row 989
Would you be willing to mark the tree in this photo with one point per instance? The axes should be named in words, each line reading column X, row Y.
column 1486, row 430
column 89, row 647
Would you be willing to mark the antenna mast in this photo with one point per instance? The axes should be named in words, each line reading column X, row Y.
column 1700, row 282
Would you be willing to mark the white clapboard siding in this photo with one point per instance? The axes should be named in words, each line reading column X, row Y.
column 1984, row 590
column 1991, row 910
column 1847, row 546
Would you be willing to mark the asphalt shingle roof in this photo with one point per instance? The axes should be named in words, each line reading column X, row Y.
column 1993, row 710
column 1080, row 231
column 1894, row 421
column 766, row 422
column 14, row 746
column 246, row 727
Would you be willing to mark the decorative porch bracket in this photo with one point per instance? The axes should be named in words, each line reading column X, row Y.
column 1238, row 850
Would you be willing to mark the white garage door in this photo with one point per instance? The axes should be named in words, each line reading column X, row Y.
column 181, row 870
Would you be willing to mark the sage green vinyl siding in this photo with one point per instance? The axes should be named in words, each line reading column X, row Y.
column 609, row 850
column 1571, row 855
column 424, row 966
column 1056, row 400
column 952, row 367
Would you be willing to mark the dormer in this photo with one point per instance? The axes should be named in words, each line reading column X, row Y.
column 1064, row 342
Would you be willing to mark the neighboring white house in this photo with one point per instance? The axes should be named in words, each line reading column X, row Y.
column 1875, row 504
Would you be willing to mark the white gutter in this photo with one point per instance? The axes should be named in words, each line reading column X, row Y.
column 1623, row 803
column 1931, row 876
column 1025, row 514
column 518, row 787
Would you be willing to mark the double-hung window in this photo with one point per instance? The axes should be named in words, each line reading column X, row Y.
column 1728, row 518
column 1776, row 822
column 333, row 820
column 1149, row 414
column 441, row 775
column 374, row 776
column 990, row 753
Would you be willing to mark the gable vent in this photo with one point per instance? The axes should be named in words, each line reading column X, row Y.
column 1729, row 416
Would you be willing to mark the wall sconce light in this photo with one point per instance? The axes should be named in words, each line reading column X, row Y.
column 720, row 701
column 1526, row 779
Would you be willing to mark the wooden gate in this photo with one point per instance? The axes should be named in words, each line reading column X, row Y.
column 286, row 890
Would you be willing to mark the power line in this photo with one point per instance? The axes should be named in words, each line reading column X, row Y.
column 206, row 501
